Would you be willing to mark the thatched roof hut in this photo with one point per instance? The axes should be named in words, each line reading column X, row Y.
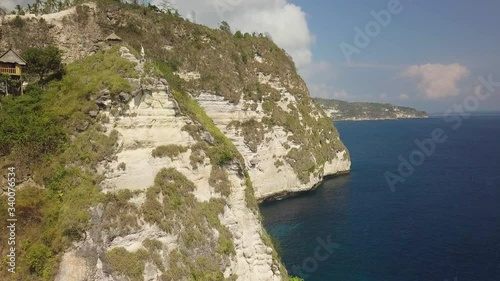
column 12, row 58
column 11, row 63
column 113, row 38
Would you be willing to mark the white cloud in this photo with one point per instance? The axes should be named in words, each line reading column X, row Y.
column 319, row 72
column 404, row 97
column 437, row 80
column 284, row 21
column 324, row 91
column 383, row 96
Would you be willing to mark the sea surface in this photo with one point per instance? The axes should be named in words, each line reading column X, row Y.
column 441, row 223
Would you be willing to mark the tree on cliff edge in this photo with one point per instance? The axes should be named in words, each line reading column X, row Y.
column 43, row 61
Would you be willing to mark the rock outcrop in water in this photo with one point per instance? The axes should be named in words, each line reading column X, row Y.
column 207, row 126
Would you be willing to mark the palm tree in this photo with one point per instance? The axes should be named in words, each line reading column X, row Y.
column 50, row 6
column 37, row 6
column 19, row 10
column 60, row 6
column 66, row 4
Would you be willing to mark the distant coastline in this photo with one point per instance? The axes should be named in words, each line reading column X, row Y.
column 364, row 111
column 380, row 119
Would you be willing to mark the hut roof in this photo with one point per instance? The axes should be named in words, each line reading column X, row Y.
column 113, row 37
column 11, row 57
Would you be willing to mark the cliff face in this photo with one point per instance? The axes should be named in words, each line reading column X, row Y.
column 207, row 125
column 270, row 155
column 247, row 85
column 150, row 120
column 355, row 111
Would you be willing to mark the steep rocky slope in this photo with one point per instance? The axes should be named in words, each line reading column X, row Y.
column 191, row 138
column 267, row 102
column 150, row 121
column 354, row 111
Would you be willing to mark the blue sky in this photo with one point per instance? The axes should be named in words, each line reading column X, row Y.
column 442, row 32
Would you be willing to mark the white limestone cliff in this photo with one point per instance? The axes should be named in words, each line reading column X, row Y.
column 152, row 120
column 269, row 181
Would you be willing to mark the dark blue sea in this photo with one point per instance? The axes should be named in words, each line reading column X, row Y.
column 441, row 223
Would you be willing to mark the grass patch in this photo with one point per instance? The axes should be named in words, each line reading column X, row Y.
column 47, row 135
column 171, row 205
column 154, row 248
column 278, row 163
column 219, row 180
column 171, row 151
column 198, row 154
column 252, row 132
column 120, row 216
column 129, row 264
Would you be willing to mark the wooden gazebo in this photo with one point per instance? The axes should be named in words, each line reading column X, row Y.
column 11, row 63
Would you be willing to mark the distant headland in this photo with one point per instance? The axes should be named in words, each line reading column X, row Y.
column 357, row 111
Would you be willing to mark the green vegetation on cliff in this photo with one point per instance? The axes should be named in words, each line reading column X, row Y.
column 170, row 151
column 48, row 136
column 62, row 158
column 179, row 213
